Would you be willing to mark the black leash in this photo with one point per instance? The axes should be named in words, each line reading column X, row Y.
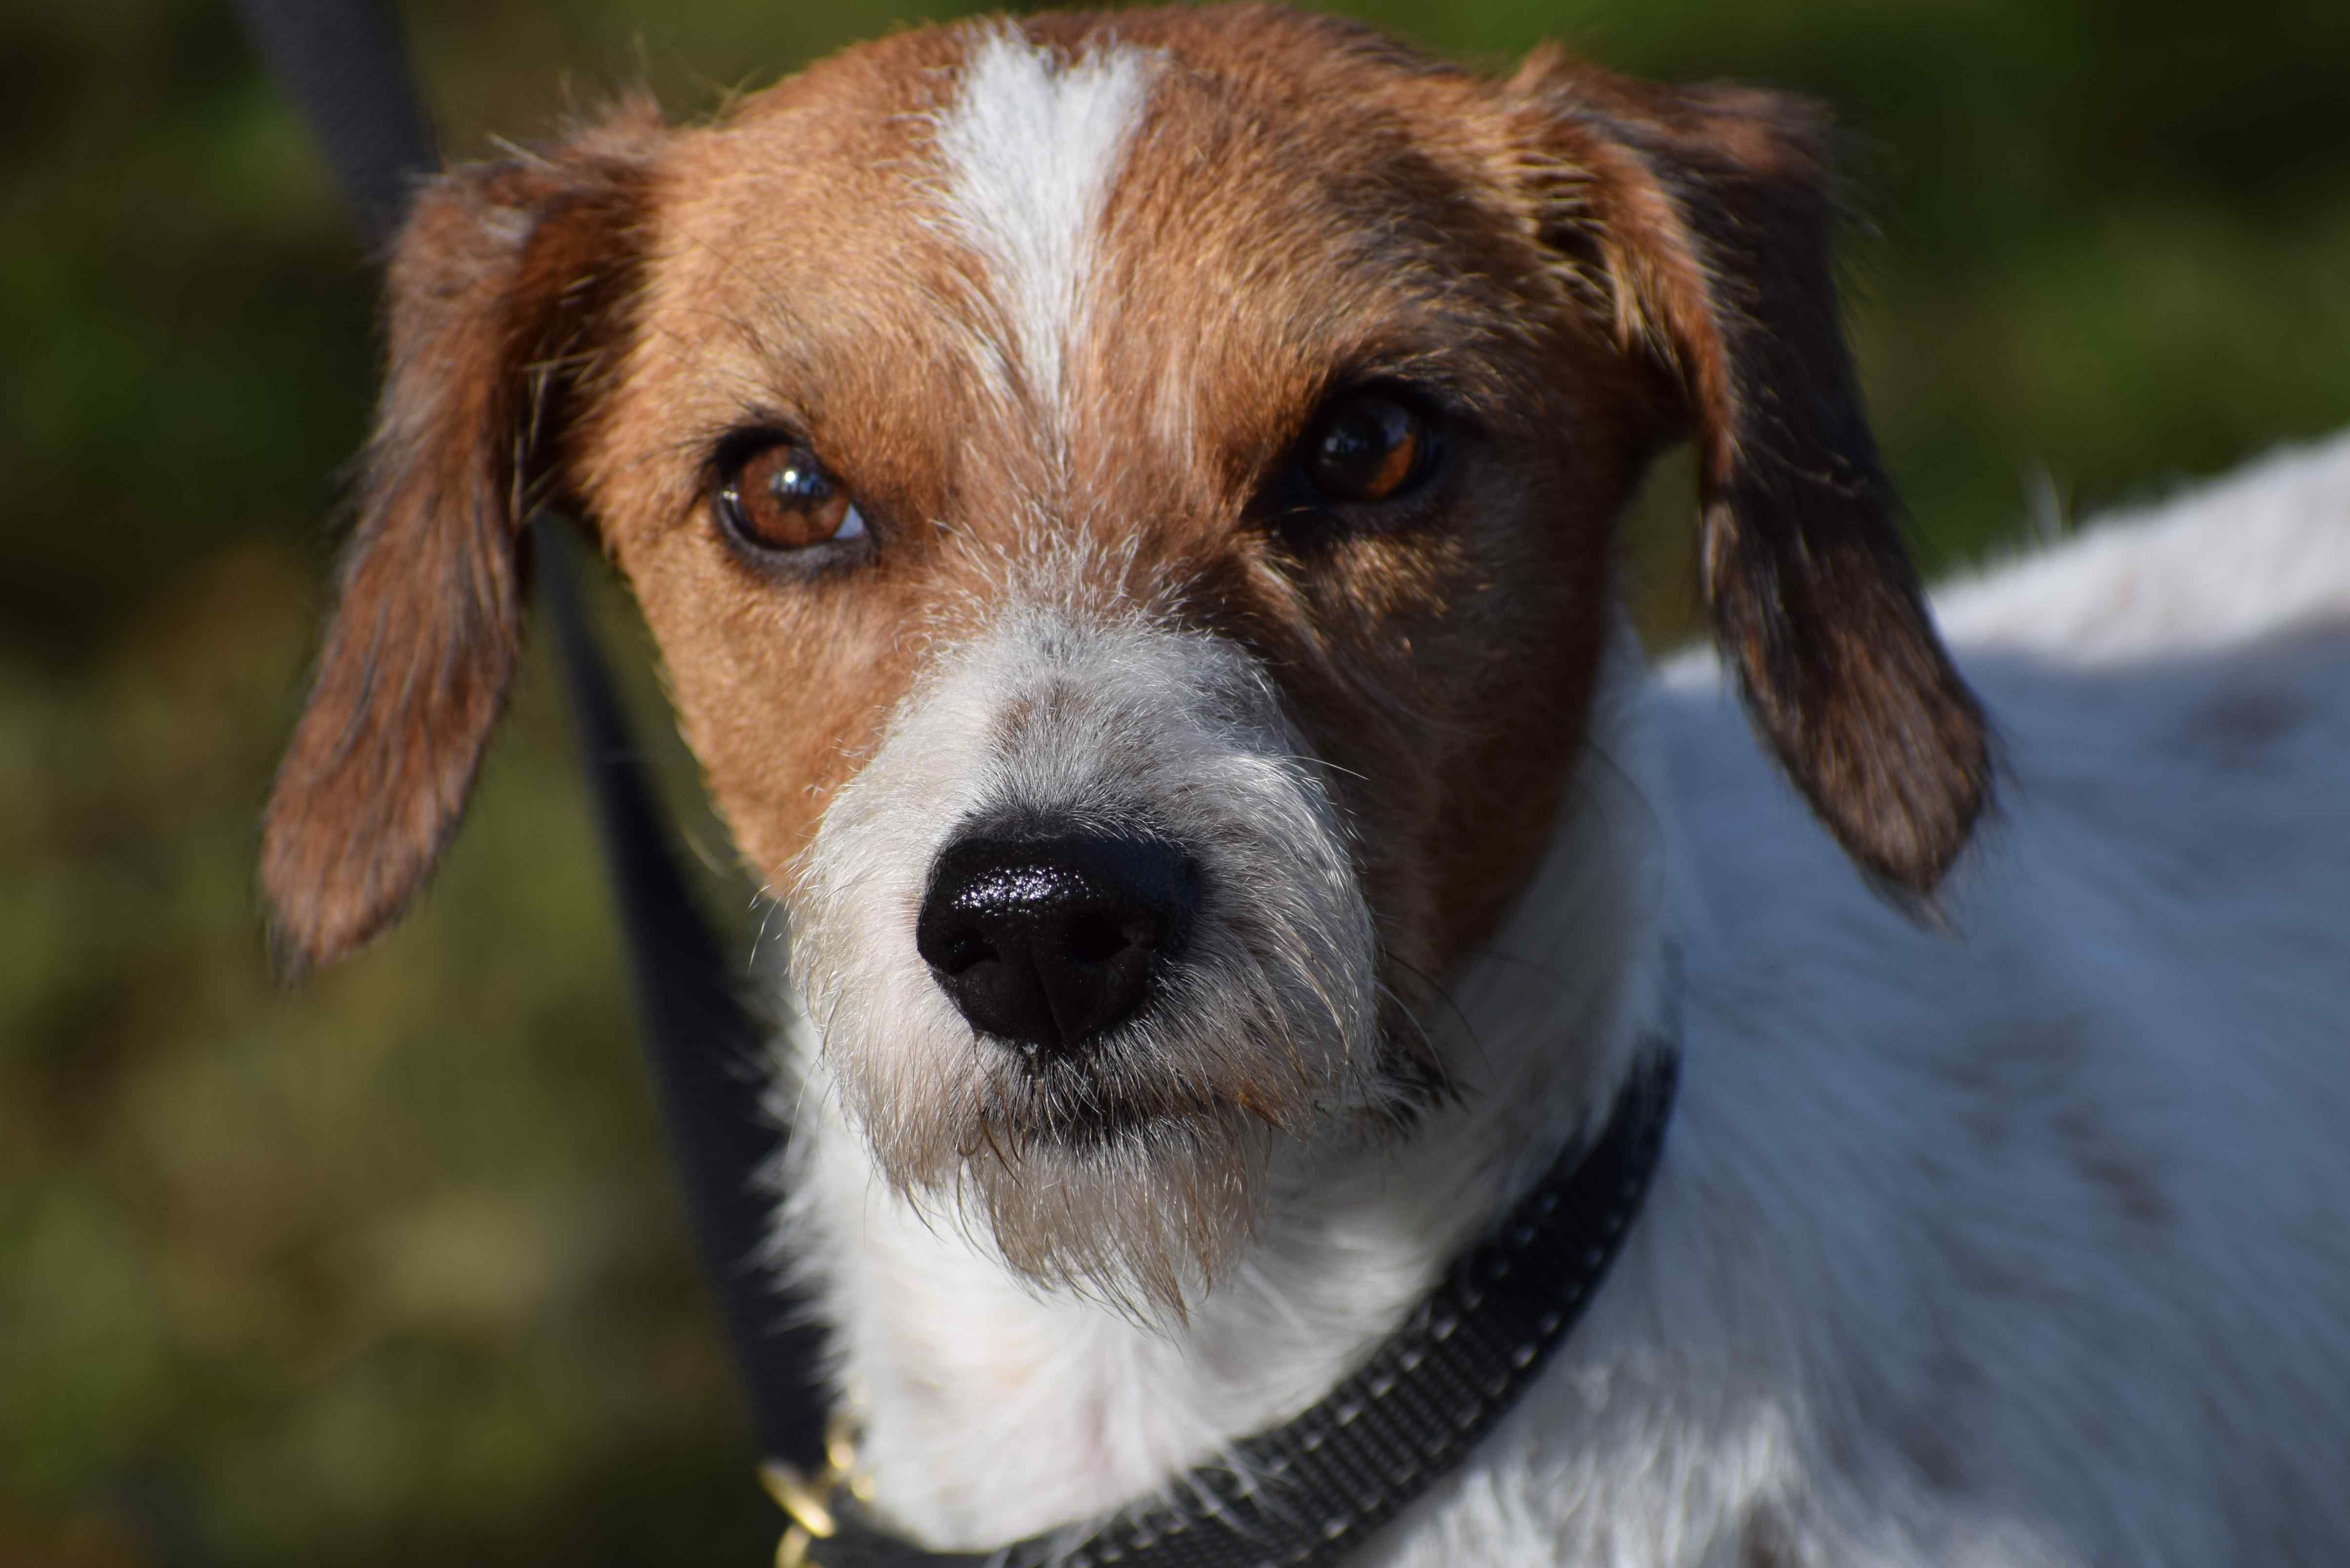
column 703, row 1046
column 343, row 63
column 1301, row 1495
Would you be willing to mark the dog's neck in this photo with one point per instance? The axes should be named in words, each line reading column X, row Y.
column 991, row 1409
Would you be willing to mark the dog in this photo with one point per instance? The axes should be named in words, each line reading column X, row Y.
column 1124, row 502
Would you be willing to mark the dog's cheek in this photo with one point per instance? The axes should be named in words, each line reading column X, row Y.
column 1451, row 718
column 779, row 690
column 1534, row 642
column 1367, row 719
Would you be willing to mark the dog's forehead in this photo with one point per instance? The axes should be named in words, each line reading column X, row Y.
column 1158, row 232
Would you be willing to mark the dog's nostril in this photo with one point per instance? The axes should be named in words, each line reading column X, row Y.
column 963, row 951
column 1045, row 942
column 1095, row 940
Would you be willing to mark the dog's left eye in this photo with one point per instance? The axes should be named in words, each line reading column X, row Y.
column 1366, row 448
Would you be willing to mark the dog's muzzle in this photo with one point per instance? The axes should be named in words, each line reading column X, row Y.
column 1082, row 939
column 1046, row 942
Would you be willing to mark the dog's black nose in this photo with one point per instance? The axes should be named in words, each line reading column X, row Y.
column 1048, row 941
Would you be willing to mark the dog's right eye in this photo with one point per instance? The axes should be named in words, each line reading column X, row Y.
column 779, row 499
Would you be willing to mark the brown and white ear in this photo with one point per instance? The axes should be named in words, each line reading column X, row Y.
column 508, row 282
column 1700, row 220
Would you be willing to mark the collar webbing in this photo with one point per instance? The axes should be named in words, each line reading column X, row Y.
column 1310, row 1491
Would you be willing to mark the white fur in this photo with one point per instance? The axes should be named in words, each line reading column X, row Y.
column 1032, row 146
column 1095, row 719
column 2021, row 1244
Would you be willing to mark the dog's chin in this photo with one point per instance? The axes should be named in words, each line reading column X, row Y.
column 1144, row 1219
column 1103, row 1175
column 1068, row 1108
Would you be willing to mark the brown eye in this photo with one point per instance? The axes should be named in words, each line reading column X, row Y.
column 782, row 498
column 1366, row 448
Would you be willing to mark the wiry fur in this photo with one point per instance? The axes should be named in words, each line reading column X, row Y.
column 2015, row 1241
column 1134, row 1171
column 2019, row 1244
column 1031, row 145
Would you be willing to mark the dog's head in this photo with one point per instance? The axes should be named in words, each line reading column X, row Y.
column 1124, row 502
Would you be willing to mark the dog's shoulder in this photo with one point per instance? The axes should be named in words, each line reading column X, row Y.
column 2172, row 689
column 2034, row 1192
column 2263, row 551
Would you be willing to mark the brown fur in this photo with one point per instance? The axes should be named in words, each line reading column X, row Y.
column 1710, row 208
column 502, row 276
column 1582, row 266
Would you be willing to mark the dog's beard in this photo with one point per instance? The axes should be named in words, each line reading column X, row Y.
column 1135, row 1167
column 1135, row 1170
column 1138, row 1194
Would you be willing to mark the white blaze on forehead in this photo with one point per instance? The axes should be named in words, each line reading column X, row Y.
column 1032, row 145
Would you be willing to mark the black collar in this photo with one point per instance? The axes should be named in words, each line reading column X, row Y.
column 1309, row 1492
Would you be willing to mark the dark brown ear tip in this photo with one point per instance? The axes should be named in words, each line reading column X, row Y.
column 1930, row 846
column 301, row 936
column 1919, row 887
column 291, row 957
column 308, row 934
column 1885, row 741
column 315, row 912
column 1911, row 822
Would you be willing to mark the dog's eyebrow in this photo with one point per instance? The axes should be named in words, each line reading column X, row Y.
column 709, row 437
column 1463, row 387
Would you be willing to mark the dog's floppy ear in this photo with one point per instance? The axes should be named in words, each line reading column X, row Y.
column 1698, row 219
column 510, row 280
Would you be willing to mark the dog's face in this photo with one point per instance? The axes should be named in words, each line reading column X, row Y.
column 1124, row 504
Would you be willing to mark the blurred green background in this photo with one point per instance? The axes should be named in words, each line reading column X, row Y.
column 389, row 1266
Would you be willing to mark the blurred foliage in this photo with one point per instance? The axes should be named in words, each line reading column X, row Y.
column 388, row 1266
